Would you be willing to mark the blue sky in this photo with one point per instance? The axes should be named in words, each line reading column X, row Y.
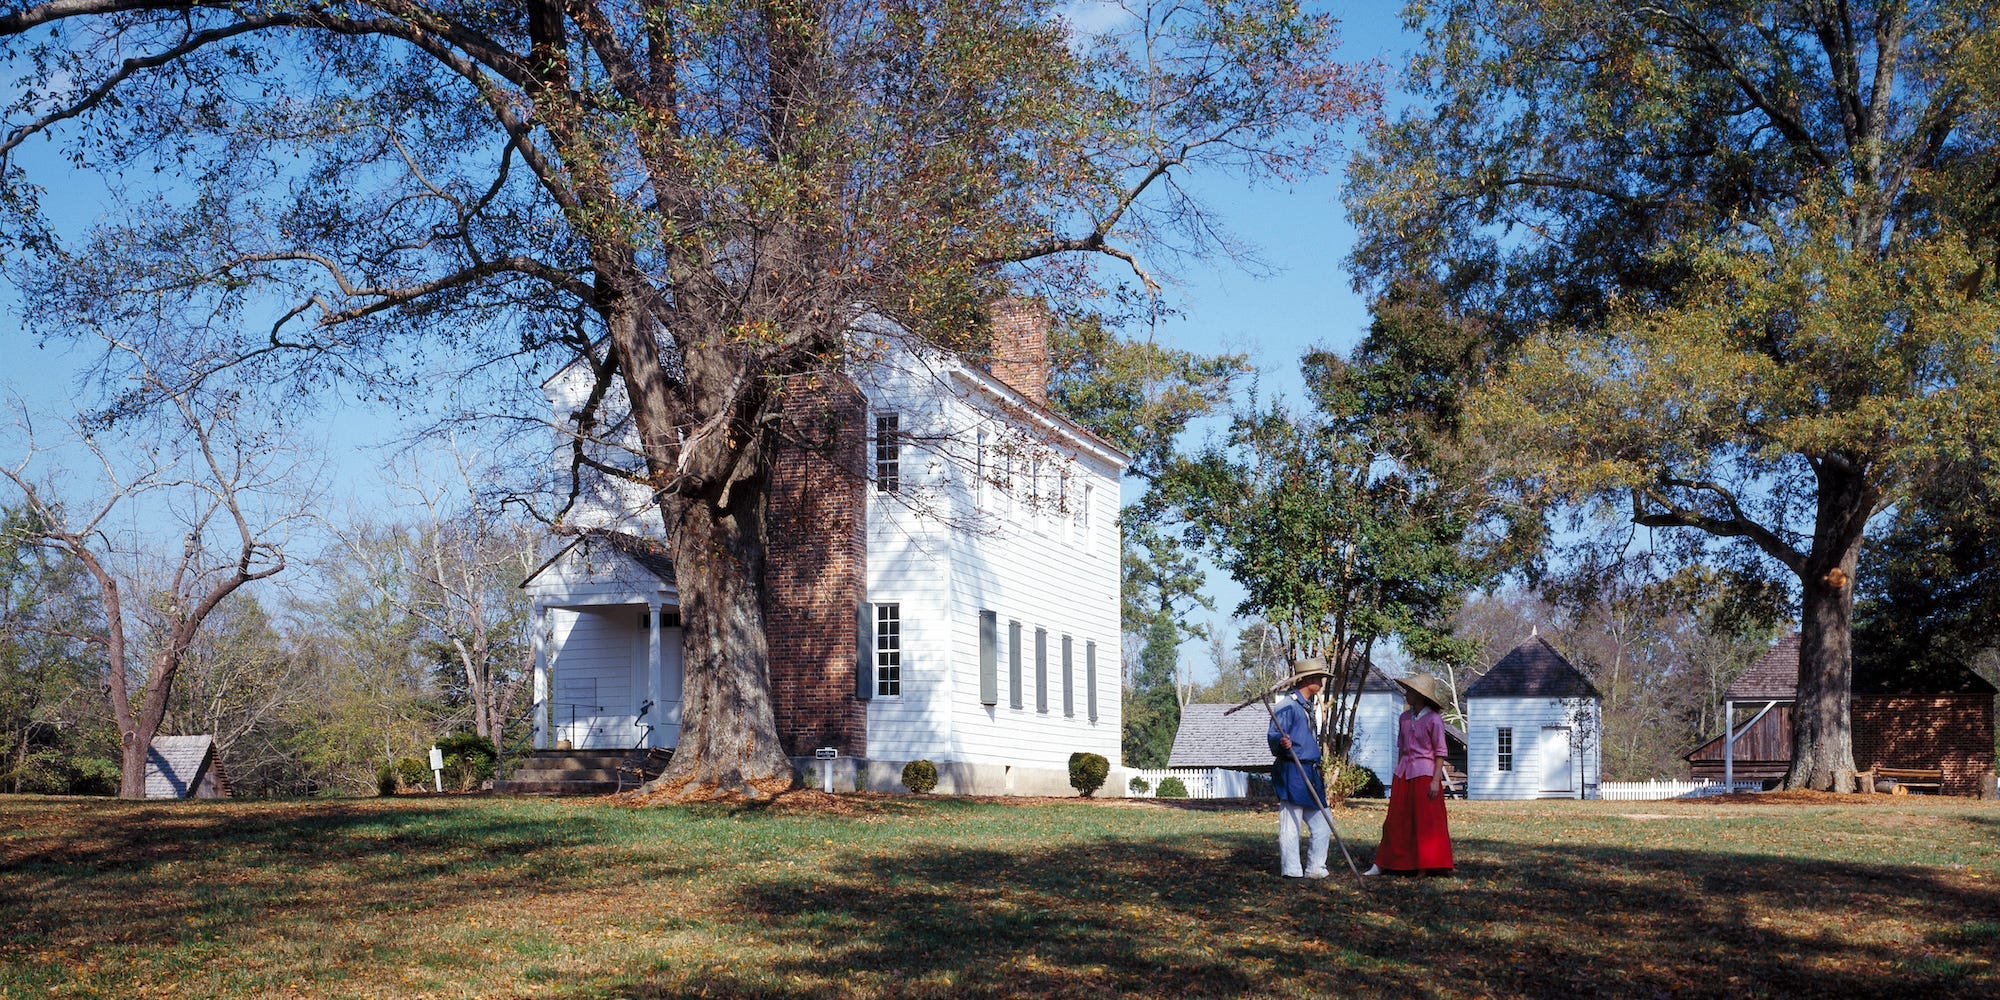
column 1300, row 231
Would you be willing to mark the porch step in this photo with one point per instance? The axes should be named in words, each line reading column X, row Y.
column 537, row 786
column 565, row 772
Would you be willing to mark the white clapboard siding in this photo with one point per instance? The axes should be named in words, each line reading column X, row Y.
column 594, row 698
column 1527, row 717
column 952, row 543
column 1375, row 718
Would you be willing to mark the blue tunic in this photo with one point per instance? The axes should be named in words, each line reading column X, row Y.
column 1292, row 718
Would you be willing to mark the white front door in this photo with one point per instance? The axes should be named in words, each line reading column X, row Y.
column 1554, row 752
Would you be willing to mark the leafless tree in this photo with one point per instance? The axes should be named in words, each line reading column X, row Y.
column 190, row 501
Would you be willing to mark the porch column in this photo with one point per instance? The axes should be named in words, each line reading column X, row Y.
column 542, row 740
column 1728, row 745
column 654, row 611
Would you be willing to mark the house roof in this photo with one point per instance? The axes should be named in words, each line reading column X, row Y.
column 1208, row 738
column 175, row 765
column 1533, row 669
column 649, row 553
column 1775, row 677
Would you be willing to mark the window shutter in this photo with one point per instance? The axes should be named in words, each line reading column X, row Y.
column 1090, row 678
column 864, row 651
column 989, row 658
column 1041, row 670
column 1014, row 664
column 1069, row 696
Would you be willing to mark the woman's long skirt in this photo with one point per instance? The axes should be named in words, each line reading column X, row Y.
column 1414, row 836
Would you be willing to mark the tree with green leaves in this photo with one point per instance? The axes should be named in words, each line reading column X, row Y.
column 698, row 200
column 1738, row 258
column 1337, row 542
column 54, row 737
column 1161, row 585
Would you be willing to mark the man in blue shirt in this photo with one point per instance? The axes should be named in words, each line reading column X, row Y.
column 1296, row 774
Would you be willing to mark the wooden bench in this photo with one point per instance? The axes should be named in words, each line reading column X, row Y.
column 643, row 765
column 1907, row 779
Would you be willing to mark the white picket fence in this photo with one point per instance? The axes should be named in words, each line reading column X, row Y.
column 1201, row 782
column 1648, row 791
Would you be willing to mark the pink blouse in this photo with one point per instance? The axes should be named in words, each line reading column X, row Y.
column 1420, row 744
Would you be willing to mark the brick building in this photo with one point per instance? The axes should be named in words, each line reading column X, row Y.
column 1903, row 716
column 942, row 580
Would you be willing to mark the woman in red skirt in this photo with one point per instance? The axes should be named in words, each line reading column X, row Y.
column 1414, row 835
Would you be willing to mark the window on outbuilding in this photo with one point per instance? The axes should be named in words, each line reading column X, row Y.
column 1503, row 748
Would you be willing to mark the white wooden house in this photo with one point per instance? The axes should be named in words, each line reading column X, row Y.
column 1376, row 712
column 1534, row 728
column 943, row 580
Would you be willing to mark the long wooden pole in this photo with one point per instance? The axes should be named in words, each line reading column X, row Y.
column 1323, row 807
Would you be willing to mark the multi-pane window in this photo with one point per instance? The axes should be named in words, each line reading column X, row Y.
column 979, row 471
column 1503, row 748
column 888, row 453
column 888, row 650
column 1083, row 518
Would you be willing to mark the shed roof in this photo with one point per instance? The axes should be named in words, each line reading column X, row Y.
column 175, row 765
column 1775, row 676
column 1533, row 669
column 1208, row 738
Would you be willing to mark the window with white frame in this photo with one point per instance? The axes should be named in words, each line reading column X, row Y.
column 888, row 650
column 978, row 490
column 1503, row 748
column 888, row 453
column 1081, row 517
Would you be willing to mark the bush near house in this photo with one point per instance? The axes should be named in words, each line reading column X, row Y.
column 1087, row 772
column 919, row 776
column 413, row 772
column 1346, row 780
column 1139, row 786
column 1172, row 787
column 469, row 760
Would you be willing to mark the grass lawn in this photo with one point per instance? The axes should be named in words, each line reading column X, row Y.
column 875, row 896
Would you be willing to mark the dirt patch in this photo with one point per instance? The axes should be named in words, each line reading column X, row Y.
column 1799, row 797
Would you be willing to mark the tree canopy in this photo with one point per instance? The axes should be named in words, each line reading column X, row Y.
column 1746, row 250
column 699, row 199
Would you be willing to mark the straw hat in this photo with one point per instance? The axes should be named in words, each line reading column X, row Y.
column 1308, row 669
column 1424, row 686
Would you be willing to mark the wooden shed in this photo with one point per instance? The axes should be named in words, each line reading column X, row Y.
column 185, row 767
column 1904, row 716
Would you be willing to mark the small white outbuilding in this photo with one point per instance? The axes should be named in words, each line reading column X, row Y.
column 1534, row 728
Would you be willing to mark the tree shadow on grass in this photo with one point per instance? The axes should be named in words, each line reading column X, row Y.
column 1205, row 916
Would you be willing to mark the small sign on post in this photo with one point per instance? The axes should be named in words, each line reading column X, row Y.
column 828, row 754
column 437, row 767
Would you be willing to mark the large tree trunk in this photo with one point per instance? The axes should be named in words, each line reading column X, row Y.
column 1822, row 725
column 729, row 746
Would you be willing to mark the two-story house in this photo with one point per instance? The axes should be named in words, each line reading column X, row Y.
column 942, row 582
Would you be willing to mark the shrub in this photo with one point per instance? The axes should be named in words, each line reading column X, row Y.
column 386, row 779
column 1139, row 786
column 469, row 759
column 413, row 772
column 1171, row 788
column 1346, row 780
column 919, row 776
column 1087, row 772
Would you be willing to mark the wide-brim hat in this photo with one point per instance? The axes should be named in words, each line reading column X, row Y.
column 1424, row 686
column 1309, row 669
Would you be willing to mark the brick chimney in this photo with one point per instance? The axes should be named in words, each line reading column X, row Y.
column 1021, row 346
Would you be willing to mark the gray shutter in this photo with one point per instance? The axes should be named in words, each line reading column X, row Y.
column 989, row 658
column 1041, row 670
column 1069, row 696
column 1090, row 678
column 1014, row 664
column 864, row 651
